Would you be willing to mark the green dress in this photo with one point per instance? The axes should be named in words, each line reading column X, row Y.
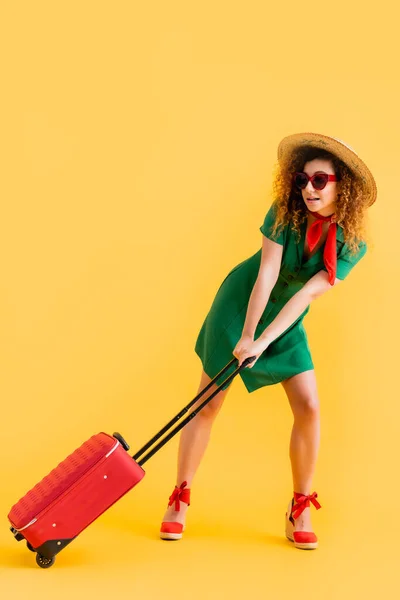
column 289, row 354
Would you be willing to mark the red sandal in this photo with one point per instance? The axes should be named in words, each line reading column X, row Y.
column 171, row 530
column 305, row 540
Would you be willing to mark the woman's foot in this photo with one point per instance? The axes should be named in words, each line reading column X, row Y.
column 298, row 521
column 173, row 524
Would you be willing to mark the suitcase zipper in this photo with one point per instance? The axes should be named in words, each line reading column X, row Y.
column 26, row 526
column 112, row 450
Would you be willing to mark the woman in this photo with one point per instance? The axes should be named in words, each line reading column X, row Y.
column 313, row 235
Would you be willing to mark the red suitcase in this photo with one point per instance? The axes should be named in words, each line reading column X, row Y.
column 87, row 483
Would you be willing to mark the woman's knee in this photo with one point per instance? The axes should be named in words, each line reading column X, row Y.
column 302, row 393
column 210, row 410
column 305, row 406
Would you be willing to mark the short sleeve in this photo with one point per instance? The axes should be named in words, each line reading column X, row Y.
column 346, row 261
column 267, row 227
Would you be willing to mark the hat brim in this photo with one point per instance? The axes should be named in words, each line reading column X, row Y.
column 292, row 142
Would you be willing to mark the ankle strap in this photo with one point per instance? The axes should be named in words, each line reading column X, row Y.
column 180, row 494
column 303, row 502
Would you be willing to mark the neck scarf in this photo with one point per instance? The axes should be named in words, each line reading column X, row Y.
column 313, row 236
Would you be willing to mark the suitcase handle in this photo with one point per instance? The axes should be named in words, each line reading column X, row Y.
column 192, row 414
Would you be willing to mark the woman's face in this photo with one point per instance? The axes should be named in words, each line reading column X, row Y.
column 321, row 201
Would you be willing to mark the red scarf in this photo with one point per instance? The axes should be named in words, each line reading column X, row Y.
column 313, row 236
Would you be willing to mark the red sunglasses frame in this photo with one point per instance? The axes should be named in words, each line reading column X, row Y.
column 312, row 179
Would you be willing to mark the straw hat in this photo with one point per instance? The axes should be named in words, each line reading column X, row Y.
column 346, row 154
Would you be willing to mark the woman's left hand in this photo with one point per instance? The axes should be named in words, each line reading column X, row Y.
column 253, row 348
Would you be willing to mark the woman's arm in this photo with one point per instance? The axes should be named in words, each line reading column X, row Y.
column 316, row 286
column 271, row 259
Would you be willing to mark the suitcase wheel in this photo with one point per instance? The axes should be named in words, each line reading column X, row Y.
column 121, row 440
column 43, row 562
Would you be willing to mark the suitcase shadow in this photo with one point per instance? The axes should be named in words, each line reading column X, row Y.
column 16, row 558
column 21, row 558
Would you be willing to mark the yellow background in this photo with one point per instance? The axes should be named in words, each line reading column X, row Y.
column 137, row 147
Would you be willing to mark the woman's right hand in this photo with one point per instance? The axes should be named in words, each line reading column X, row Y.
column 243, row 344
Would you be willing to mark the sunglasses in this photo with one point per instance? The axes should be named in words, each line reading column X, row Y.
column 318, row 180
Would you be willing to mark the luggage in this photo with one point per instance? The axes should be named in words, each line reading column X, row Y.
column 88, row 482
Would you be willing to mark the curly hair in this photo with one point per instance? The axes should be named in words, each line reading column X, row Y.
column 351, row 202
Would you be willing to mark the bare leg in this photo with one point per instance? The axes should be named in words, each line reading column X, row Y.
column 193, row 442
column 302, row 394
